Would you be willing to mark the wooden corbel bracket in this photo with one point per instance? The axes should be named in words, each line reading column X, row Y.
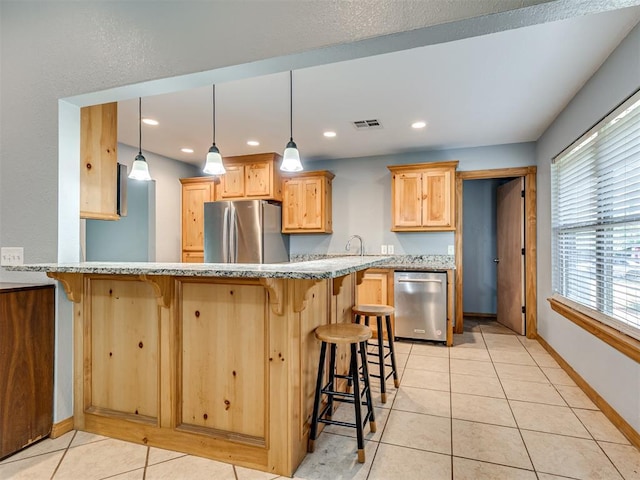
column 163, row 286
column 337, row 284
column 301, row 290
column 275, row 288
column 72, row 283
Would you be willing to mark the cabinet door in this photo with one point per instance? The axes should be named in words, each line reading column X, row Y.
column 373, row 291
column 312, row 217
column 232, row 182
column 257, row 179
column 292, row 207
column 193, row 257
column 436, row 204
column 26, row 366
column 99, row 162
column 407, row 205
column 193, row 198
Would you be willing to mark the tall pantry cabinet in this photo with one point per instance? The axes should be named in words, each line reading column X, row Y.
column 26, row 364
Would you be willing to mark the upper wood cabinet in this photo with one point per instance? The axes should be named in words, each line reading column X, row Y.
column 423, row 197
column 251, row 177
column 99, row 162
column 195, row 192
column 306, row 205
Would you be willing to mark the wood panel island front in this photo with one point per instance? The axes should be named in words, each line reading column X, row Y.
column 215, row 360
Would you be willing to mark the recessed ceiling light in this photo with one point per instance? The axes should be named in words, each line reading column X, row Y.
column 418, row 125
column 187, row 150
column 253, row 143
column 149, row 121
column 329, row 134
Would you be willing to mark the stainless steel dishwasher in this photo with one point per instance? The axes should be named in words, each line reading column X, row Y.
column 421, row 305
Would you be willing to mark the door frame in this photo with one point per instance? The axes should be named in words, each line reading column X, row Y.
column 530, row 256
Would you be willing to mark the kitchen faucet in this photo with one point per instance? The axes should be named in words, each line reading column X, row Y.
column 361, row 244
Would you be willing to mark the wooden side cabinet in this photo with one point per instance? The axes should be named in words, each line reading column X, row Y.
column 195, row 192
column 423, row 197
column 26, row 364
column 306, row 206
column 251, row 177
column 99, row 162
column 376, row 289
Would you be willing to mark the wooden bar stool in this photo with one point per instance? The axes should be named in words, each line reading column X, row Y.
column 380, row 311
column 356, row 336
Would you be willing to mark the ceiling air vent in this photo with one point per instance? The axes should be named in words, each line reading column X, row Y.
column 367, row 124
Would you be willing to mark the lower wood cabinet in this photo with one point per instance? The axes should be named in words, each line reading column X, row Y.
column 376, row 289
column 26, row 364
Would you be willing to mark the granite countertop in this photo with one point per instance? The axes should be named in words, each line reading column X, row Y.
column 398, row 262
column 331, row 267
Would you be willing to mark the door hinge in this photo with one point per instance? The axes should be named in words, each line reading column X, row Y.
column 524, row 309
column 522, row 193
column 523, row 251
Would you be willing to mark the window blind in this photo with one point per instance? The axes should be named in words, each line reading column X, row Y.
column 595, row 190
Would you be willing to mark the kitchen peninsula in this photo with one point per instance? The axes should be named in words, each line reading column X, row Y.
column 216, row 360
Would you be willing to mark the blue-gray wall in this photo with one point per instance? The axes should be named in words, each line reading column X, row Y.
column 133, row 237
column 362, row 198
column 613, row 375
column 479, row 245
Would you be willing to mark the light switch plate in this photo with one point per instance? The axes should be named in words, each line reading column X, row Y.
column 383, row 249
column 451, row 250
column 10, row 256
column 390, row 249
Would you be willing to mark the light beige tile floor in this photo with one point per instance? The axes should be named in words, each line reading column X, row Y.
column 495, row 406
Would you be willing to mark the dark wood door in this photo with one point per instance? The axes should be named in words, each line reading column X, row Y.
column 26, row 364
column 510, row 242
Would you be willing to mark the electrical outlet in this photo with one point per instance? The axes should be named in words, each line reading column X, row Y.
column 390, row 249
column 451, row 250
column 383, row 249
column 11, row 256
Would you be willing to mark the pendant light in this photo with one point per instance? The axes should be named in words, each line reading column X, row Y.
column 291, row 157
column 140, row 168
column 213, row 165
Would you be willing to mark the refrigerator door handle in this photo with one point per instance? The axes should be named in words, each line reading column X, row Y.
column 233, row 236
column 225, row 235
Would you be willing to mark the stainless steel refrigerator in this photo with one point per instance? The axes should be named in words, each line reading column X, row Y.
column 244, row 231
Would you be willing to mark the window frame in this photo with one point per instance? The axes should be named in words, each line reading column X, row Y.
column 622, row 335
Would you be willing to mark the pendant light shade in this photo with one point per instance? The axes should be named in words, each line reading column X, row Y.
column 291, row 157
column 214, row 165
column 140, row 168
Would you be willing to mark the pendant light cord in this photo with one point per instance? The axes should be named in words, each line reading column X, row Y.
column 140, row 125
column 291, row 103
column 214, row 113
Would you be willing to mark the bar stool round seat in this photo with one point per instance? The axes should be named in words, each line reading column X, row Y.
column 373, row 310
column 356, row 337
column 343, row 333
column 380, row 355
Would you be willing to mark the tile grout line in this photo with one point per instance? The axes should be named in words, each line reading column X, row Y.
column 375, row 453
column 513, row 415
column 146, row 463
column 63, row 455
column 450, row 410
